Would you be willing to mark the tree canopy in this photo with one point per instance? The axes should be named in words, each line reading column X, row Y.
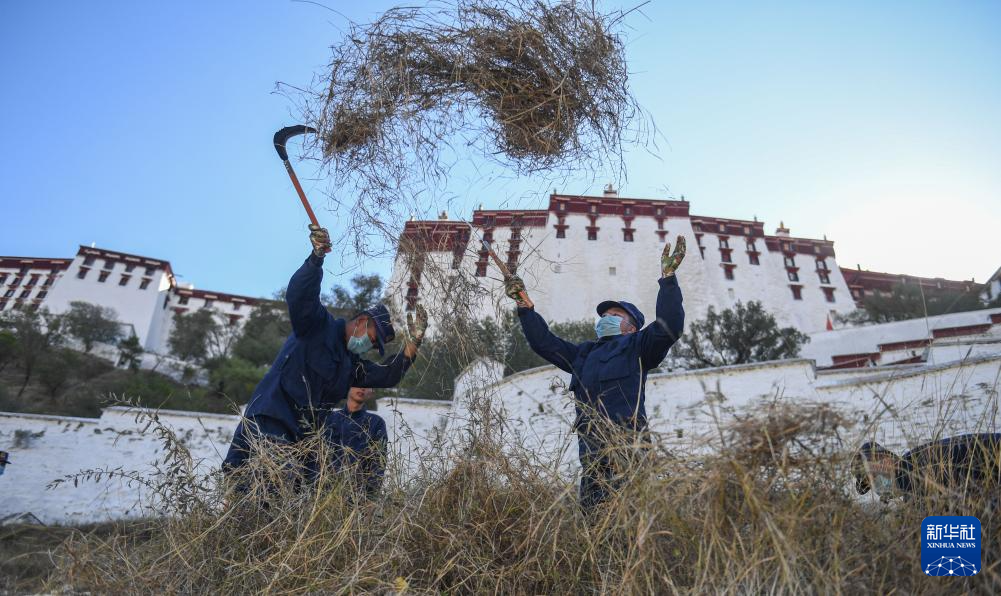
column 90, row 324
column 739, row 335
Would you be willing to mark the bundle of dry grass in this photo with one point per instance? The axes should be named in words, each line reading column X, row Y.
column 549, row 81
column 529, row 85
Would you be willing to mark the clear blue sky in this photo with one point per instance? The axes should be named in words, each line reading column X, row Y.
column 146, row 127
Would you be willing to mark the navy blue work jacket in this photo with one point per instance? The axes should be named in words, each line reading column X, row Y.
column 609, row 375
column 358, row 439
column 314, row 369
column 953, row 461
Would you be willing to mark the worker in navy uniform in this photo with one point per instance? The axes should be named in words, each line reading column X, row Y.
column 320, row 361
column 608, row 375
column 969, row 463
column 357, row 439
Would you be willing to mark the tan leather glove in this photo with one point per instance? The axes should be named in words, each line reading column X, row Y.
column 669, row 262
column 320, row 239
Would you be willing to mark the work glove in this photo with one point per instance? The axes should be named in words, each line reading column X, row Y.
column 320, row 239
column 669, row 262
column 515, row 290
column 417, row 327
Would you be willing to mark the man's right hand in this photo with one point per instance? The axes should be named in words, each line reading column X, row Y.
column 515, row 290
column 320, row 239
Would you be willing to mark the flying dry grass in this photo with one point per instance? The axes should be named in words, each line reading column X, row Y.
column 770, row 512
column 529, row 86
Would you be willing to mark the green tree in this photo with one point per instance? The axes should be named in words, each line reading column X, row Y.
column 8, row 348
column 55, row 369
column 738, row 335
column 37, row 332
column 130, row 352
column 200, row 336
column 344, row 303
column 263, row 334
column 90, row 323
column 234, row 378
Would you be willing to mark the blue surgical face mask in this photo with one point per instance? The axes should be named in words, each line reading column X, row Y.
column 884, row 484
column 608, row 325
column 359, row 345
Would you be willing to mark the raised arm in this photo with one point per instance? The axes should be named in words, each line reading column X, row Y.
column 380, row 374
column 303, row 294
column 545, row 343
column 658, row 337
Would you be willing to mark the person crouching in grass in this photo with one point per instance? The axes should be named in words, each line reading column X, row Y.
column 358, row 443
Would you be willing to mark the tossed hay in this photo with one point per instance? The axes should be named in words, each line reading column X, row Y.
column 530, row 85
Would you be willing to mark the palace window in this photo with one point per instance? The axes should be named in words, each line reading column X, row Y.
column 144, row 283
column 481, row 269
column 3, row 278
column 753, row 258
column 150, row 270
column 33, row 280
column 724, row 242
column 561, row 231
column 103, row 276
column 627, row 235
column 125, row 280
column 82, row 273
column 515, row 234
column 728, row 272
column 42, row 294
column 797, row 292
column 825, row 278
column 828, row 294
column 183, row 300
column 109, row 264
column 129, row 267
column 16, row 282
column 790, row 261
column 592, row 233
column 89, row 260
column 628, row 210
column 208, row 303
column 9, row 294
column 25, row 292
column 822, row 265
column 793, row 276
column 237, row 305
column 234, row 319
column 51, row 279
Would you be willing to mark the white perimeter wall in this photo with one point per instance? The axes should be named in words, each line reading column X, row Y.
column 900, row 407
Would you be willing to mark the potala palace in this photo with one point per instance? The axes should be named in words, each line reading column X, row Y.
column 582, row 250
